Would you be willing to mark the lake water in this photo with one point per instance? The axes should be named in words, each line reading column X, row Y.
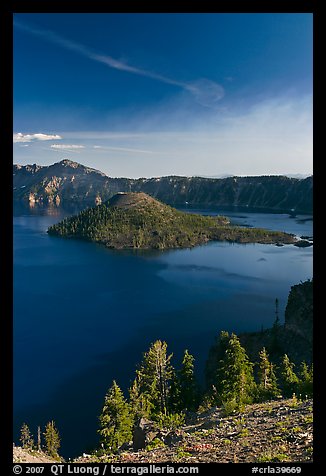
column 83, row 314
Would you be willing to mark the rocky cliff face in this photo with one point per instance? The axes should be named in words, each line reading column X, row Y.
column 294, row 338
column 269, row 192
column 63, row 181
column 68, row 181
column 299, row 311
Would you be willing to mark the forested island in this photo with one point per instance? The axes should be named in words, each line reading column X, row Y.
column 136, row 220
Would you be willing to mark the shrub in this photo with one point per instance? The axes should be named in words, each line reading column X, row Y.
column 171, row 421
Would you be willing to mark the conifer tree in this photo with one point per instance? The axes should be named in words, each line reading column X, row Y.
column 213, row 367
column 174, row 393
column 52, row 439
column 115, row 420
column 186, row 384
column 306, row 380
column 274, row 388
column 274, row 346
column 267, row 382
column 139, row 403
column 236, row 381
column 289, row 381
column 26, row 438
column 154, row 377
column 39, row 438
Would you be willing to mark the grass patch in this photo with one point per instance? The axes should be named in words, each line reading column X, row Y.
column 182, row 453
column 156, row 443
column 309, row 419
column 244, row 433
column 271, row 457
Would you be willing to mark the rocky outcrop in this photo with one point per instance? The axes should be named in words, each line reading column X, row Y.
column 299, row 311
column 73, row 182
column 143, row 433
column 65, row 181
column 294, row 338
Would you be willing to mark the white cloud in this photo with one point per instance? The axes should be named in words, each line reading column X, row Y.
column 19, row 137
column 271, row 136
column 67, row 146
column 125, row 149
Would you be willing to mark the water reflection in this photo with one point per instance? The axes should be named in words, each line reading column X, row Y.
column 83, row 314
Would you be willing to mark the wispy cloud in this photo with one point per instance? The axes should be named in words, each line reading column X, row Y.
column 124, row 149
column 67, row 146
column 205, row 91
column 19, row 137
column 273, row 136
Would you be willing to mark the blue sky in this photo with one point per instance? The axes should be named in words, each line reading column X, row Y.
column 143, row 95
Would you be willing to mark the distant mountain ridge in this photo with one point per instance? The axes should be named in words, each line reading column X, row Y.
column 68, row 181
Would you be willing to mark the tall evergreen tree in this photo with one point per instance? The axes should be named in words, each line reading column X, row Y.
column 236, row 380
column 277, row 317
column 267, row 382
column 115, row 420
column 186, row 384
column 154, row 377
column 52, row 439
column 26, row 438
column 289, row 381
column 274, row 346
column 39, row 438
column 306, row 380
column 139, row 402
column 213, row 365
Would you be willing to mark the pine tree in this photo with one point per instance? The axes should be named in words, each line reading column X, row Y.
column 306, row 380
column 213, row 367
column 154, row 377
column 267, row 382
column 288, row 379
column 274, row 388
column 236, row 380
column 274, row 347
column 52, row 439
column 26, row 438
column 39, row 438
column 139, row 403
column 115, row 420
column 186, row 384
column 277, row 318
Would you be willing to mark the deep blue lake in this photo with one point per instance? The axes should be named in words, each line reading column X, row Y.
column 83, row 314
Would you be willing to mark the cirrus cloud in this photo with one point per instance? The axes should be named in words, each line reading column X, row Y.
column 20, row 137
column 67, row 146
column 205, row 92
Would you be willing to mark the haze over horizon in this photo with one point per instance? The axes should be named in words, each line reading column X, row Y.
column 145, row 95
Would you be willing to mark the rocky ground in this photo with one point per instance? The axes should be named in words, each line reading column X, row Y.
column 21, row 455
column 269, row 432
column 279, row 431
